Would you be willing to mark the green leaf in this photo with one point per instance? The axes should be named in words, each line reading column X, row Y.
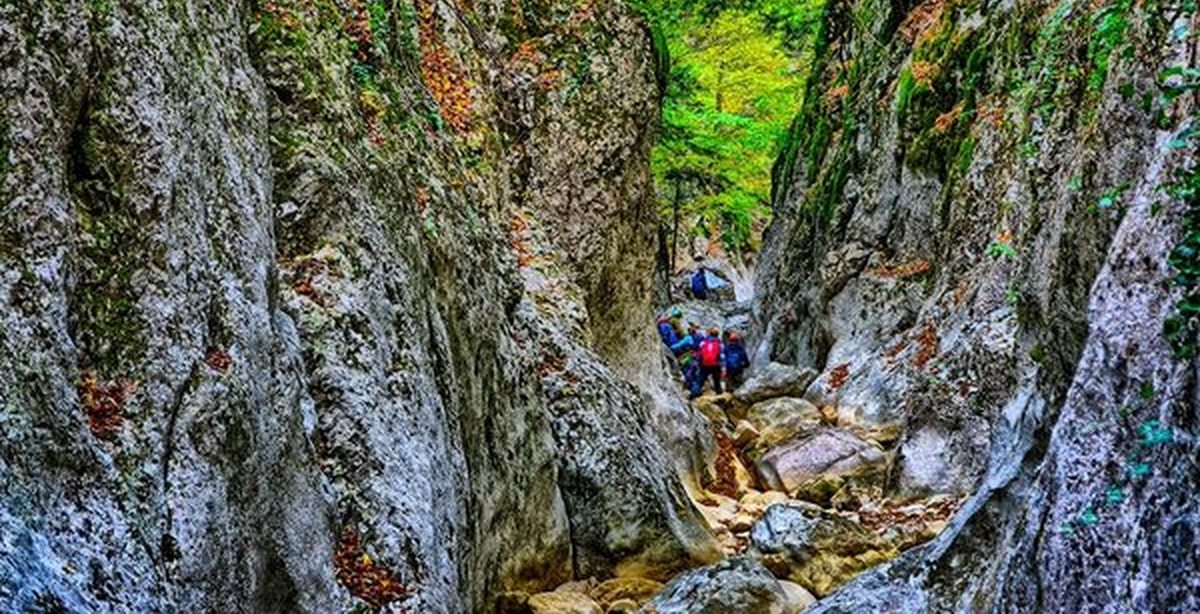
column 1001, row 250
column 1088, row 517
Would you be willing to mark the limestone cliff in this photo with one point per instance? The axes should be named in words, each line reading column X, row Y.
column 975, row 215
column 277, row 334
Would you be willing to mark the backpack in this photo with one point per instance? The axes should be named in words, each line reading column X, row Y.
column 710, row 353
column 735, row 357
column 699, row 285
column 667, row 333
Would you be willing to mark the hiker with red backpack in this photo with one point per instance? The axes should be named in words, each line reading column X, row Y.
column 712, row 359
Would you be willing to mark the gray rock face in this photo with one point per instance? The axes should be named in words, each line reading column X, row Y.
column 738, row 584
column 267, row 306
column 817, row 549
column 825, row 452
column 774, row 380
column 981, row 257
column 781, row 420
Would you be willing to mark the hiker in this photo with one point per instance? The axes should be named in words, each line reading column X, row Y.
column 700, row 284
column 692, row 379
column 686, row 344
column 667, row 332
column 689, row 364
column 712, row 359
column 736, row 360
column 674, row 318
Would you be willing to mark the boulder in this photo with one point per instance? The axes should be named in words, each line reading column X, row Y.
column 739, row 584
column 713, row 407
column 757, row 502
column 780, row 420
column 744, row 434
column 798, row 597
column 563, row 602
column 818, row 550
column 721, row 511
column 775, row 380
column 820, row 453
column 637, row 590
column 623, row 606
column 743, row 522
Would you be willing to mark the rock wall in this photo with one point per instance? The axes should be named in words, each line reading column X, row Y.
column 973, row 218
column 274, row 337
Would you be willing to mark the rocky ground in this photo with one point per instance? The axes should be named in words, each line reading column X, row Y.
column 795, row 496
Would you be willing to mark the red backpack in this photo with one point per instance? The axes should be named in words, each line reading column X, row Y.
column 710, row 353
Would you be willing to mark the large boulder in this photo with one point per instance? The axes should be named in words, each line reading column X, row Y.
column 775, row 380
column 798, row 597
column 781, row 419
column 738, row 584
column 821, row 454
column 816, row 549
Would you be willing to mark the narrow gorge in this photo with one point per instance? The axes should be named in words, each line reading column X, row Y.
column 349, row 306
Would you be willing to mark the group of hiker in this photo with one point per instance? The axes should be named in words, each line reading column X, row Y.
column 703, row 355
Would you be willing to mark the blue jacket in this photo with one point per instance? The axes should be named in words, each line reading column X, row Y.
column 688, row 342
column 667, row 333
column 735, row 357
column 699, row 285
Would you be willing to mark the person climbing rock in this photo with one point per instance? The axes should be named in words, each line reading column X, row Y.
column 700, row 284
column 712, row 359
column 736, row 360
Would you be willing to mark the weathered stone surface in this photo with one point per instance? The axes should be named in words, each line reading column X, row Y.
column 774, row 380
column 310, row 263
column 798, row 598
column 623, row 606
column 816, row 549
column 713, row 407
column 819, row 454
column 980, row 290
column 738, row 584
column 637, row 590
column 744, row 434
column 563, row 602
column 780, row 420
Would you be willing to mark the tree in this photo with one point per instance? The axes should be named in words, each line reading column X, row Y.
column 737, row 73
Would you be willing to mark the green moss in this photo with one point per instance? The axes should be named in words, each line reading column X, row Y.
column 100, row 8
column 1110, row 25
column 966, row 155
column 905, row 89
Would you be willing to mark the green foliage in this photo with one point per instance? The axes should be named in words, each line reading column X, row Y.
column 966, row 154
column 734, row 83
column 905, row 89
column 1153, row 433
column 1109, row 27
column 1182, row 328
column 100, row 8
column 1110, row 198
column 1146, row 437
column 1001, row 250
